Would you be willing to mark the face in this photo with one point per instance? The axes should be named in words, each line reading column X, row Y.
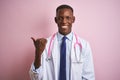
column 64, row 19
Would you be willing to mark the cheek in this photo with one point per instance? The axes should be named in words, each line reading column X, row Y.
column 70, row 22
column 58, row 23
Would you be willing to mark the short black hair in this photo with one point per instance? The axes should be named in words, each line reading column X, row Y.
column 64, row 6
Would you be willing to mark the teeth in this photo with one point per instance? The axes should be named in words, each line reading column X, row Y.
column 64, row 26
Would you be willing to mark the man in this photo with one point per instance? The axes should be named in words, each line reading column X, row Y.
column 63, row 56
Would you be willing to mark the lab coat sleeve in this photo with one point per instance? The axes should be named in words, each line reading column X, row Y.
column 35, row 74
column 88, row 67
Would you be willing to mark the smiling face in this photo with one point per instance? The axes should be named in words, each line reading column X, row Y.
column 64, row 19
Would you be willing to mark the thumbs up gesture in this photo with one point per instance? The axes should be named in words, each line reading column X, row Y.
column 39, row 48
column 39, row 44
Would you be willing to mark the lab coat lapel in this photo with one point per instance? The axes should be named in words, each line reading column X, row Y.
column 75, row 52
column 76, row 67
column 55, row 55
column 72, row 49
column 72, row 57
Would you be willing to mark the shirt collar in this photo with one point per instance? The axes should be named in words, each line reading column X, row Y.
column 69, row 36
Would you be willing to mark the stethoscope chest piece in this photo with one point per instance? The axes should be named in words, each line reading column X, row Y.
column 48, row 58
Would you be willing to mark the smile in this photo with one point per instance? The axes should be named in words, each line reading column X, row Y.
column 64, row 27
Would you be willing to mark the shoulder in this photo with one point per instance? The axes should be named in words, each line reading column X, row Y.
column 86, row 48
column 50, row 39
column 85, row 44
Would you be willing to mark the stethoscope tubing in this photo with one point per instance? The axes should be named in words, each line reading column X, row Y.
column 51, row 43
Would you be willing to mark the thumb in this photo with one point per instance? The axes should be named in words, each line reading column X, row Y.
column 33, row 39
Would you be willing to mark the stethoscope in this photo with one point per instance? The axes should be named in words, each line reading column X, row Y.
column 75, row 45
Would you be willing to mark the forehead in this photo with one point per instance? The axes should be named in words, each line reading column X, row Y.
column 64, row 11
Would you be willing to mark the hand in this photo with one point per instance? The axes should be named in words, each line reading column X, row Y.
column 39, row 46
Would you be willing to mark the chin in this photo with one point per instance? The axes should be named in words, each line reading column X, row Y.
column 65, row 33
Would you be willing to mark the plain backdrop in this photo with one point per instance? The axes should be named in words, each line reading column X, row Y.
column 97, row 21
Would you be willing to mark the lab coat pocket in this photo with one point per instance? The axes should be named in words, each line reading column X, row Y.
column 77, row 64
column 50, row 69
column 76, row 69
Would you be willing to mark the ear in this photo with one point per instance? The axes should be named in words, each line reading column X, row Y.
column 55, row 19
column 73, row 20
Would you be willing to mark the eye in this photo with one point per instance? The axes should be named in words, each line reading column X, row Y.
column 60, row 18
column 68, row 18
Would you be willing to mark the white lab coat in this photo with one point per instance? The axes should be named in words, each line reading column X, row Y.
column 81, row 62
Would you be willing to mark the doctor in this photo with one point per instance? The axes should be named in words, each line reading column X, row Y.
column 64, row 55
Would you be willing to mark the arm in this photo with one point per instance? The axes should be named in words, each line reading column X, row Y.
column 35, row 74
column 36, row 68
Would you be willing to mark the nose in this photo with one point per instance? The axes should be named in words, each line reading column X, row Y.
column 64, row 20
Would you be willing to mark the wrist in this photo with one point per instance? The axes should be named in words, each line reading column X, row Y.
column 38, row 52
column 37, row 61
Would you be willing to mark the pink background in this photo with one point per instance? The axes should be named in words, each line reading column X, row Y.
column 97, row 21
